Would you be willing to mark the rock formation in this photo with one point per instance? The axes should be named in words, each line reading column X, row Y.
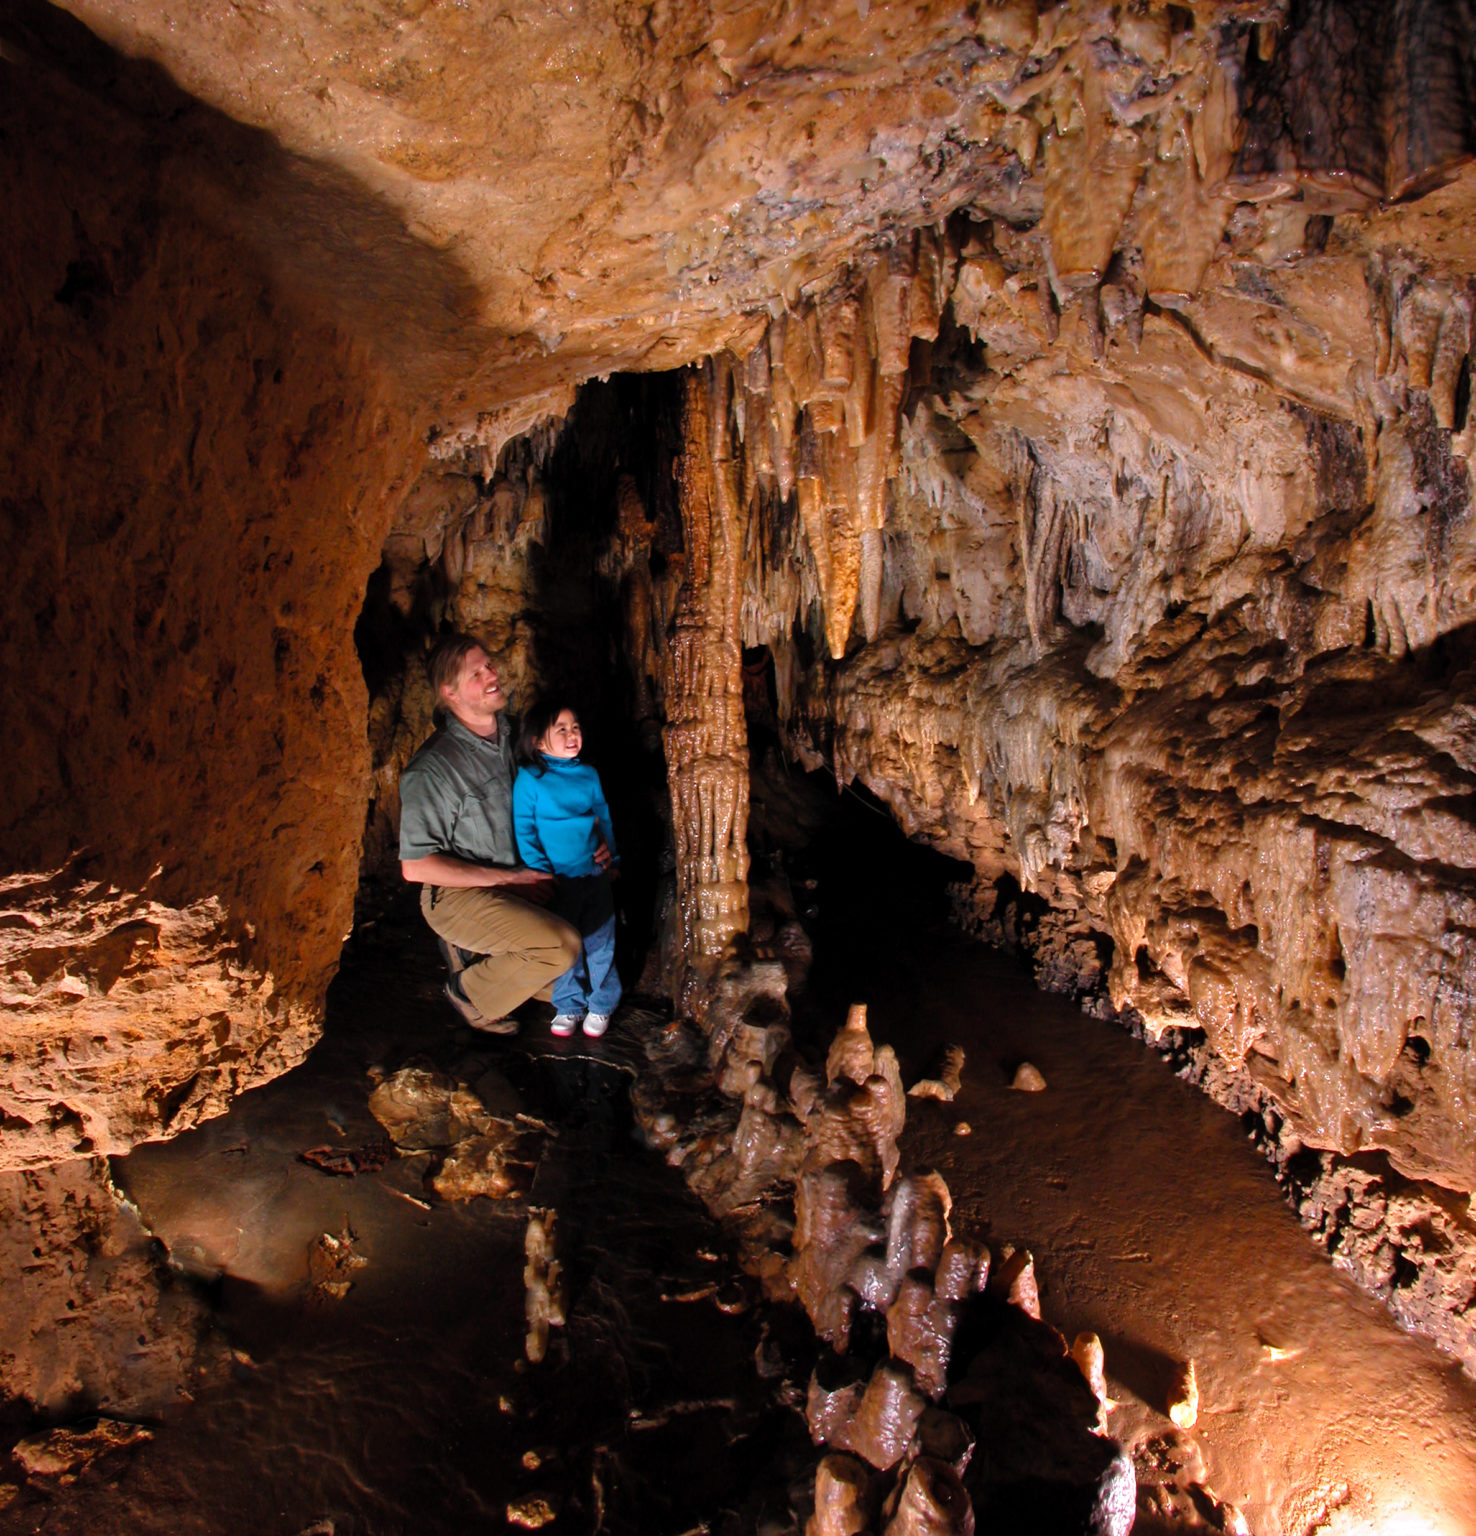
column 200, row 468
column 706, row 741
column 1157, row 608
column 1081, row 424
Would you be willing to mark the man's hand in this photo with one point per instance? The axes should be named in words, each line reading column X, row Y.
column 606, row 860
column 530, row 884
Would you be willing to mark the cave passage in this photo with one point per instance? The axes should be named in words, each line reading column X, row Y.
column 1049, row 422
column 1153, row 1221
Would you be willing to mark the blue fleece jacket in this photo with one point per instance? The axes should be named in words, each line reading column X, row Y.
column 560, row 817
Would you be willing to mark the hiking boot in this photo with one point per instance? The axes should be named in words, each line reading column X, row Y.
column 473, row 1015
column 456, row 958
column 564, row 1025
column 595, row 1024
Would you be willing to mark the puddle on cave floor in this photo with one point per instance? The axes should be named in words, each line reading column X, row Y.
column 406, row 1407
column 1154, row 1223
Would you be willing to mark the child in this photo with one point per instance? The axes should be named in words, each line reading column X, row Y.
column 562, row 825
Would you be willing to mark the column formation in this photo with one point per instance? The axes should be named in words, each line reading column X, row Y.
column 705, row 736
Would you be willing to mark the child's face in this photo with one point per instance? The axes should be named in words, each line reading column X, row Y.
column 563, row 738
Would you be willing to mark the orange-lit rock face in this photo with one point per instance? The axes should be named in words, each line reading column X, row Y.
column 1162, row 606
column 1189, row 660
column 619, row 182
column 198, row 478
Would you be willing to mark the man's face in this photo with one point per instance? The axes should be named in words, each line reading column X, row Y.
column 477, row 699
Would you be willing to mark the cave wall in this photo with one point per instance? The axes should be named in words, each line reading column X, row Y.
column 1118, row 535
column 200, row 467
column 1188, row 656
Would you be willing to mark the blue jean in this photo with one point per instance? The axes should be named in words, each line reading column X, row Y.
column 591, row 984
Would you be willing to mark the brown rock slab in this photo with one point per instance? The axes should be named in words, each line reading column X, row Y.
column 61, row 1451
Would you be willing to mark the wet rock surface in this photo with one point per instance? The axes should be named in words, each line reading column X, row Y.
column 402, row 1405
column 405, row 1402
column 1153, row 1223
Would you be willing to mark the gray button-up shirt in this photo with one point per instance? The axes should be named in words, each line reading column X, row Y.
column 456, row 797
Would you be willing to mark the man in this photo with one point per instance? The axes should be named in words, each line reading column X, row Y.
column 456, row 840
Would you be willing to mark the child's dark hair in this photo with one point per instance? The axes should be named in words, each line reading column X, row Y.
column 540, row 715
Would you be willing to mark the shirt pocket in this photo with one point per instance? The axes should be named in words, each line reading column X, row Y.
column 475, row 835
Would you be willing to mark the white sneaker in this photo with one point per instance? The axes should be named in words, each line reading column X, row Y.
column 595, row 1024
column 565, row 1024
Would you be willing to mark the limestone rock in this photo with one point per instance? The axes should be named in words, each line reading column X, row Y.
column 202, row 465
column 92, row 1318
column 920, row 1327
column 933, row 1503
column 1183, row 1398
column 842, row 1497
column 1027, row 1079
column 422, row 1109
column 59, row 1451
column 333, row 1261
column 875, row 1420
column 543, row 1282
column 494, row 1165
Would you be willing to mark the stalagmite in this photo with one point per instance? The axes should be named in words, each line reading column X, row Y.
column 875, row 1420
column 543, row 1300
column 831, row 1231
column 842, row 1497
column 948, row 1081
column 1015, row 1281
column 933, row 1503
column 1086, row 1350
column 1183, row 1403
column 963, row 1269
column 920, row 1328
column 851, row 1053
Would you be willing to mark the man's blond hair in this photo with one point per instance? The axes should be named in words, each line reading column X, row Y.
column 443, row 665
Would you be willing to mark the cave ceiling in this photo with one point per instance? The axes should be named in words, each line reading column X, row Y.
column 601, row 187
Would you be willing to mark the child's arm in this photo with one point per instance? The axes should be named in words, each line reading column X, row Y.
column 525, row 822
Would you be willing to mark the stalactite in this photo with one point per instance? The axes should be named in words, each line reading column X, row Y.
column 1363, row 97
column 1091, row 174
column 817, row 403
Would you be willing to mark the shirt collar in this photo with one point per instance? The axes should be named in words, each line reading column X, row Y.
column 463, row 732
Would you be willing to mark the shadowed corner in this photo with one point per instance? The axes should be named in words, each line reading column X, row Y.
column 330, row 243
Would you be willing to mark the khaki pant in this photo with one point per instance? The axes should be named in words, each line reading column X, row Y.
column 526, row 947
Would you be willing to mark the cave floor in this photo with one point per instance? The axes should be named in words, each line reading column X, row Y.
column 1155, row 1224
column 407, row 1406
